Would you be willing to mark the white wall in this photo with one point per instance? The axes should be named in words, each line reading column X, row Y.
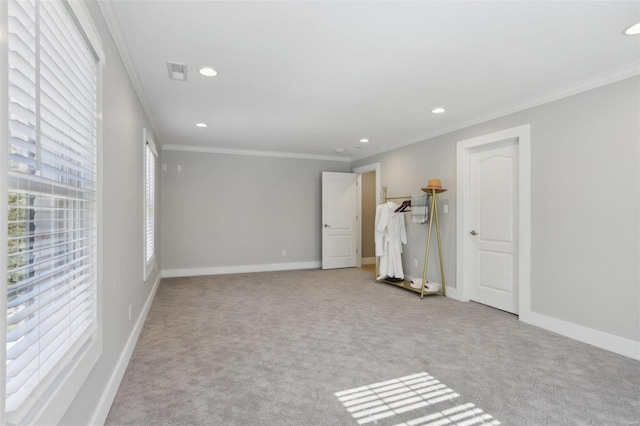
column 123, row 120
column 228, row 213
column 585, row 205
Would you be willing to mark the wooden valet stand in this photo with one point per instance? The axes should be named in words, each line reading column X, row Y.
column 433, row 214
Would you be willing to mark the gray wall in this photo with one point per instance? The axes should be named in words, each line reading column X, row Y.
column 585, row 203
column 123, row 173
column 368, row 214
column 231, row 210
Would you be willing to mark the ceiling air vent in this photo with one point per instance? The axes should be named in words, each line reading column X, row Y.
column 177, row 71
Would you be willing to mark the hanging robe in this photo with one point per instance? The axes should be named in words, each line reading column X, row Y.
column 389, row 236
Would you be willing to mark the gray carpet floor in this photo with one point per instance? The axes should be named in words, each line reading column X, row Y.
column 334, row 348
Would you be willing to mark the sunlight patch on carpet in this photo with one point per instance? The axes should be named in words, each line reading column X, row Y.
column 420, row 391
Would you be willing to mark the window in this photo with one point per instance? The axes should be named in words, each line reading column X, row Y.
column 51, row 186
column 150, row 155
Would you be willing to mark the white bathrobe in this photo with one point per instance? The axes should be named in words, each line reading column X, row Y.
column 390, row 235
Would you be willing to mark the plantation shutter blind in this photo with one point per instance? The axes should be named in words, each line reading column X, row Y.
column 150, row 175
column 52, row 238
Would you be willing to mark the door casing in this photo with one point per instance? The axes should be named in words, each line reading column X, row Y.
column 522, row 135
column 374, row 167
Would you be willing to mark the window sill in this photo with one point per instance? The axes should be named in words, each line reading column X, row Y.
column 148, row 269
column 53, row 404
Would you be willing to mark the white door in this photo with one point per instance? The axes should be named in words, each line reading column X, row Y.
column 493, row 225
column 339, row 220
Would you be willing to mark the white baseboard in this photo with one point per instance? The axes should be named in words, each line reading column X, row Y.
column 109, row 394
column 454, row 293
column 600, row 339
column 368, row 260
column 223, row 270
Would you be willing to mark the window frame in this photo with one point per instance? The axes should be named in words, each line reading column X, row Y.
column 55, row 397
column 149, row 148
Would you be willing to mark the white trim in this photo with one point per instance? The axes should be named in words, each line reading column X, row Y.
column 148, row 140
column 4, row 160
column 359, row 222
column 522, row 134
column 278, row 154
column 239, row 269
column 52, row 406
column 373, row 167
column 89, row 29
column 454, row 293
column 600, row 80
column 108, row 395
column 113, row 24
column 100, row 206
column 148, row 267
column 600, row 339
column 368, row 260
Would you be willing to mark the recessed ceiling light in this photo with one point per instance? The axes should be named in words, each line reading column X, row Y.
column 364, row 140
column 633, row 30
column 201, row 124
column 438, row 110
column 339, row 150
column 208, row 72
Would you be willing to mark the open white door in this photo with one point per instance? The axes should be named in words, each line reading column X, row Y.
column 339, row 220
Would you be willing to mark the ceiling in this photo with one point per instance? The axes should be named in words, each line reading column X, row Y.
column 312, row 77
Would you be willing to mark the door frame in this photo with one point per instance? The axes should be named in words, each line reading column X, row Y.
column 522, row 136
column 374, row 167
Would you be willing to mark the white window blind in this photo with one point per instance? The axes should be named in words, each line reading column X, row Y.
column 52, row 198
column 150, row 175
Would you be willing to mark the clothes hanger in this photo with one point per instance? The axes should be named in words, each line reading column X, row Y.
column 403, row 207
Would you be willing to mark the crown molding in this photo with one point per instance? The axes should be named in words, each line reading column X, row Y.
column 113, row 24
column 277, row 154
column 111, row 19
column 600, row 80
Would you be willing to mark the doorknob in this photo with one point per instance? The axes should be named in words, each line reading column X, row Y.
column 473, row 232
column 327, row 225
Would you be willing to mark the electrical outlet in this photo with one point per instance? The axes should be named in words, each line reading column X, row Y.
column 284, row 253
column 415, row 262
column 446, row 208
column 164, row 167
column 129, row 312
column 179, row 168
